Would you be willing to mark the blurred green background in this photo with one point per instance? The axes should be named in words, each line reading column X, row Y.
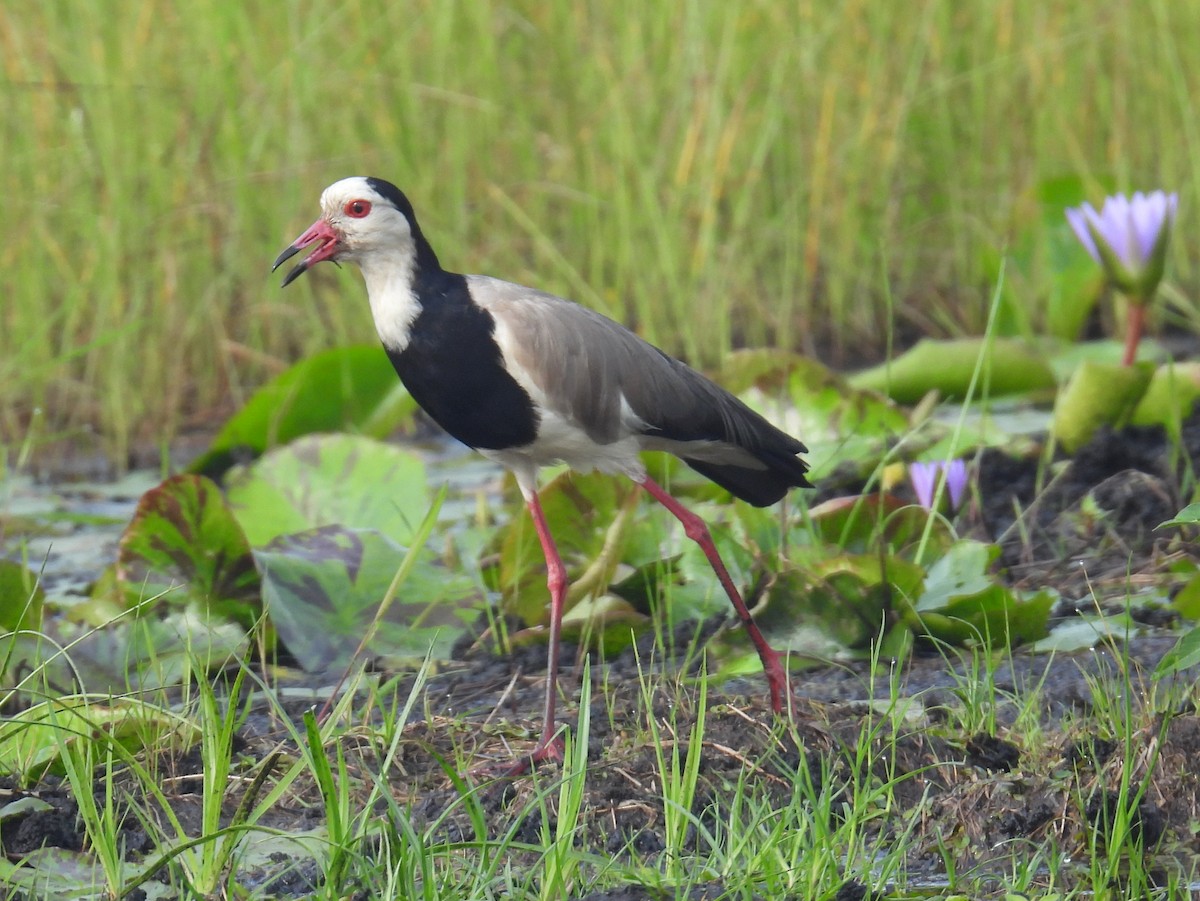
column 834, row 178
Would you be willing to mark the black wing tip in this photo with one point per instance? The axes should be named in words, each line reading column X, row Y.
column 757, row 487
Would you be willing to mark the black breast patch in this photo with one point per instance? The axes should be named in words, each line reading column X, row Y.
column 453, row 369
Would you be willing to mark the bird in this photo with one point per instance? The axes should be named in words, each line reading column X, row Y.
column 529, row 379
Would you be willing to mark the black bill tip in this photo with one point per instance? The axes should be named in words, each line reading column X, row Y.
column 297, row 271
column 284, row 257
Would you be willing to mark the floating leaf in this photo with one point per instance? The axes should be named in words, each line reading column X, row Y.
column 580, row 509
column 50, row 872
column 22, row 807
column 1188, row 516
column 961, row 603
column 33, row 741
column 960, row 572
column 1186, row 599
column 134, row 652
column 323, row 589
column 1184, row 655
column 1009, row 367
column 1001, row 616
column 21, row 598
column 1170, row 396
column 859, row 523
column 1084, row 632
column 846, row 597
column 840, row 423
column 347, row 480
column 828, row 608
column 608, row 622
column 343, row 389
column 184, row 546
column 1067, row 358
column 1097, row 395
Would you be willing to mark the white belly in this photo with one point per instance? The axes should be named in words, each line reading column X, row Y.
column 560, row 441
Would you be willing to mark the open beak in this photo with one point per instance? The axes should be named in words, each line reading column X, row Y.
column 329, row 244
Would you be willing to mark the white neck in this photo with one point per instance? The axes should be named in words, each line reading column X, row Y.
column 394, row 304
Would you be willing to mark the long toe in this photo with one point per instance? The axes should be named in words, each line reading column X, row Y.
column 520, row 766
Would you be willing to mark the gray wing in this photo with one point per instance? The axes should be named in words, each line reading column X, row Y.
column 587, row 364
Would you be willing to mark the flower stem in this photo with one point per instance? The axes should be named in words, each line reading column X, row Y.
column 1133, row 333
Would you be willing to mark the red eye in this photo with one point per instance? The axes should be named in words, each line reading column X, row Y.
column 357, row 208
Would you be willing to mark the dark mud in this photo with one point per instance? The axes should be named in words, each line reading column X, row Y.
column 968, row 791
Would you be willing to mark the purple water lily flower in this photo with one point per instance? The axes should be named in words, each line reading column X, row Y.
column 1129, row 238
column 924, row 477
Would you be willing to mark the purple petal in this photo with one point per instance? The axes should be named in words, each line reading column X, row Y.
column 1078, row 220
column 923, row 477
column 1115, row 226
column 1122, row 237
column 1148, row 215
column 956, row 481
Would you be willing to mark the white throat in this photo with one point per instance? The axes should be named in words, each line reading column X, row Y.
column 394, row 304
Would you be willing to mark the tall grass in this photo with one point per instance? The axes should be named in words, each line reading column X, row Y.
column 711, row 173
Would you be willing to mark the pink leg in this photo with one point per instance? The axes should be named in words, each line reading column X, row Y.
column 695, row 529
column 547, row 748
column 556, row 580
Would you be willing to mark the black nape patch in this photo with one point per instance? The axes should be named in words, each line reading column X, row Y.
column 452, row 368
column 427, row 261
column 392, row 195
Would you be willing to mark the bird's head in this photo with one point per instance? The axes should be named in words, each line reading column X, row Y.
column 360, row 217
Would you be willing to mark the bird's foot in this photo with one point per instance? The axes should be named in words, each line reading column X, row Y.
column 548, row 748
column 778, row 683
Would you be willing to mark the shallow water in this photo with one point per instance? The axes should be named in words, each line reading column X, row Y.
column 67, row 531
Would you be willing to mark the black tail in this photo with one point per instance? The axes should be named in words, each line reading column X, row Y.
column 760, row 487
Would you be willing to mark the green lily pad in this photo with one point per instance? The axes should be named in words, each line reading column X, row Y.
column 1086, row 631
column 846, row 597
column 608, row 622
column 183, row 547
column 1170, row 396
column 1067, row 358
column 1096, row 395
column 859, row 523
column 961, row 603
column 323, row 589
column 960, row 572
column 1188, row 516
column 580, row 511
column 154, row 649
column 32, row 742
column 49, row 872
column 1009, row 367
column 321, row 480
column 130, row 650
column 828, row 608
column 21, row 598
column 1184, row 655
column 22, row 807
column 840, row 423
column 343, row 389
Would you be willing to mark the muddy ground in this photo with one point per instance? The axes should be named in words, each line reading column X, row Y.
column 969, row 792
